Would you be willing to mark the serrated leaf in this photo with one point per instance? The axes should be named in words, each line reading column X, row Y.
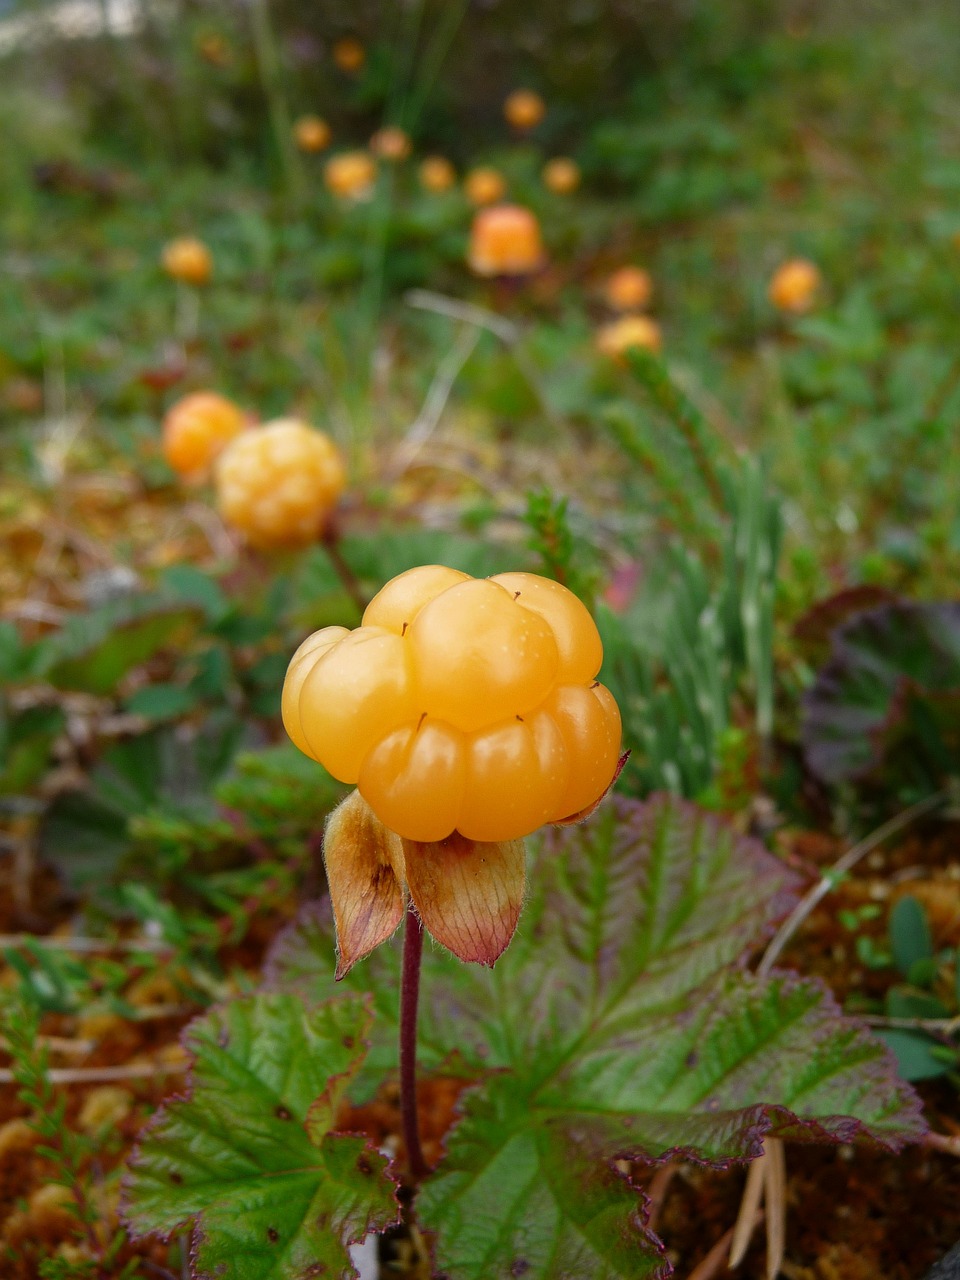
column 892, row 681
column 622, row 1029
column 252, row 1159
column 93, row 651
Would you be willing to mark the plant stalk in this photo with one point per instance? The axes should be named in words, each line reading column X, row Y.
column 331, row 544
column 409, row 998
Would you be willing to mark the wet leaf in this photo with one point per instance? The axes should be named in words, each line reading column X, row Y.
column 252, row 1159
column 891, row 685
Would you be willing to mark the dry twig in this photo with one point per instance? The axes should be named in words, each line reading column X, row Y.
column 812, row 899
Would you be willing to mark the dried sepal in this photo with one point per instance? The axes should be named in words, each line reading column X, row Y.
column 365, row 873
column 468, row 893
column 574, row 818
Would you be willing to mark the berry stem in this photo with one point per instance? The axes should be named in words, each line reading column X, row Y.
column 409, row 997
column 331, row 544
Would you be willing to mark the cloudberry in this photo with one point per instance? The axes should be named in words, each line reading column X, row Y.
column 616, row 339
column 279, row 484
column 505, row 241
column 561, row 175
column 196, row 430
column 629, row 289
column 524, row 109
column 794, row 285
column 187, row 259
column 468, row 712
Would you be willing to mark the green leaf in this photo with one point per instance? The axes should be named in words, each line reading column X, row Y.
column 252, row 1160
column 93, row 651
column 161, row 701
column 904, row 1002
column 619, row 1024
column 188, row 583
column 85, row 833
column 910, row 939
column 26, row 738
column 914, row 1054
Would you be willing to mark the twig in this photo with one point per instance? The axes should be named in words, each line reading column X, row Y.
column 436, row 399
column 57, row 1044
column 657, row 1192
column 716, row 1259
column 426, row 300
column 746, row 1223
column 330, row 539
column 213, row 529
column 506, row 331
column 775, row 1205
column 849, row 860
column 941, row 1026
column 766, row 1181
column 100, row 1075
column 946, row 1143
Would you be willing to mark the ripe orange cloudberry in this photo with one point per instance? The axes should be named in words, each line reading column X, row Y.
column 278, row 484
column 391, row 143
column 196, row 430
column 794, row 285
column 311, row 134
column 349, row 54
column 629, row 289
column 505, row 241
column 351, row 175
column 616, row 339
column 561, row 175
column 524, row 109
column 484, row 185
column 468, row 713
column 436, row 174
column 187, row 259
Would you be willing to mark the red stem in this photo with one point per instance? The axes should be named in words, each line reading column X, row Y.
column 409, row 996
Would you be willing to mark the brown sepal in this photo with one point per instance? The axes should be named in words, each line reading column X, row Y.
column 468, row 893
column 365, row 873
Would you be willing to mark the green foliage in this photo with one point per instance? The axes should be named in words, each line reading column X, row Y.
column 618, row 1024
column 93, row 651
column 927, row 998
column 553, row 541
column 87, row 833
column 693, row 656
column 70, row 1153
column 253, row 1159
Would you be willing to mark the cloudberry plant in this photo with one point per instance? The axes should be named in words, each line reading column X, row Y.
column 469, row 713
